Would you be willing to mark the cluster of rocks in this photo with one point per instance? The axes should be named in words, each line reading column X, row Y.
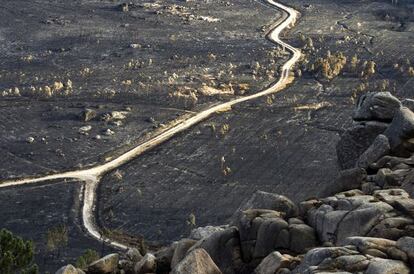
column 380, row 143
column 366, row 227
column 113, row 118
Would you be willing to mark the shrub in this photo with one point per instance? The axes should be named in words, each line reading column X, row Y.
column 368, row 69
column 330, row 66
column 16, row 254
column 57, row 238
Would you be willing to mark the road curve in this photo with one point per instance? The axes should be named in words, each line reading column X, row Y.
column 91, row 176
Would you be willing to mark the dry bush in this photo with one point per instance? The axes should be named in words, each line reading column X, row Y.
column 185, row 97
column 330, row 66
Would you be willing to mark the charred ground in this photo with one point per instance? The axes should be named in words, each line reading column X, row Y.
column 284, row 143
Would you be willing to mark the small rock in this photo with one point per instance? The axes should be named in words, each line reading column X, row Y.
column 118, row 115
column 30, row 139
column 84, row 130
column 88, row 114
column 150, row 120
column 117, row 123
column 135, row 46
column 109, row 132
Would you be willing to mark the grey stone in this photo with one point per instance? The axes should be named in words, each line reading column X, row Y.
column 383, row 266
column 397, row 254
column 400, row 129
column 197, row 261
column 390, row 196
column 69, row 269
column 133, row 255
column 164, row 258
column 393, row 162
column 353, row 263
column 408, row 103
column 379, row 148
column 265, row 200
column 302, row 238
column 107, row 264
column 365, row 243
column 347, row 214
column 384, row 177
column 126, row 265
column 322, row 255
column 379, row 106
column 376, row 253
column 88, row 114
column 224, row 248
column 272, row 233
column 358, row 222
column 406, row 244
column 147, row 264
column 406, row 206
column 348, row 179
column 255, row 226
column 392, row 227
column 180, row 251
column 272, row 263
column 356, row 140
column 204, row 232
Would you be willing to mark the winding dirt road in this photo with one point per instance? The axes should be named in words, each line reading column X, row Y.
column 92, row 176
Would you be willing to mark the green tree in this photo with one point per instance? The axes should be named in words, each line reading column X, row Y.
column 88, row 257
column 16, row 254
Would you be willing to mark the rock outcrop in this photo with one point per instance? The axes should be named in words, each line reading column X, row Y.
column 364, row 225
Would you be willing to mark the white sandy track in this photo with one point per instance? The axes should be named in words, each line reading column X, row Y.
column 92, row 175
